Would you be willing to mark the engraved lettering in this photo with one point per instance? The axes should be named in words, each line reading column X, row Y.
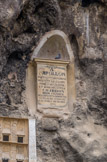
column 52, row 85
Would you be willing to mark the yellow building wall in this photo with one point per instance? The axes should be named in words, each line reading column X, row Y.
column 12, row 149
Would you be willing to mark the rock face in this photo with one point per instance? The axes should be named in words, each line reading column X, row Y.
column 82, row 137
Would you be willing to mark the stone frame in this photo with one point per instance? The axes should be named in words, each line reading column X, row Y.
column 67, row 53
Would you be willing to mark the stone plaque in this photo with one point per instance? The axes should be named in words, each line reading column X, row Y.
column 51, row 85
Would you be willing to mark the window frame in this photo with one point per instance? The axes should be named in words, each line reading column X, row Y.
column 4, row 134
column 6, row 160
column 20, row 136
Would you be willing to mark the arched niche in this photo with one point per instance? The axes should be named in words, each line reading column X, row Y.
column 50, row 45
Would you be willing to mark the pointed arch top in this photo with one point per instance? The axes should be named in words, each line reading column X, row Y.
column 55, row 38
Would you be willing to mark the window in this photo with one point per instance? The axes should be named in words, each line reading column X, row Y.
column 5, row 137
column 20, row 139
column 5, row 160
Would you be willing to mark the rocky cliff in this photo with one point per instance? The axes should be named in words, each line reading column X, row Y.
column 82, row 137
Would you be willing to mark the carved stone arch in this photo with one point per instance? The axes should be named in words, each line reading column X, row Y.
column 50, row 45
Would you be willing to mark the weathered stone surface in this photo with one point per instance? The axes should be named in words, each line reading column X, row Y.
column 82, row 137
column 9, row 11
column 49, row 124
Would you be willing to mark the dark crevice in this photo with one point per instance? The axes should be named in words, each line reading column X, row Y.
column 75, row 48
column 41, row 5
column 16, row 55
column 29, row 30
column 86, row 3
column 49, row 22
column 8, row 101
column 20, row 16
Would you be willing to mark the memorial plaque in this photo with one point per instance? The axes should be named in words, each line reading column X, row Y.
column 51, row 85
